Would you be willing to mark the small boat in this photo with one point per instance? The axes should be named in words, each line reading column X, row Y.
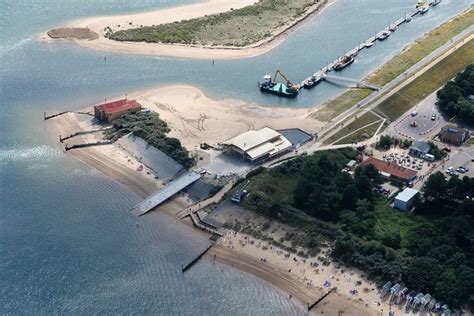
column 435, row 3
column 392, row 28
column 384, row 35
column 311, row 82
column 424, row 9
column 420, row 3
column 408, row 18
column 345, row 61
column 369, row 44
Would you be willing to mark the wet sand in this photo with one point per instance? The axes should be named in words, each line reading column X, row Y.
column 305, row 283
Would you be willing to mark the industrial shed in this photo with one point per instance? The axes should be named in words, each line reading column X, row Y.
column 260, row 145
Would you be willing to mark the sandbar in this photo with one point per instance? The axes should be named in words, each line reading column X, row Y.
column 97, row 25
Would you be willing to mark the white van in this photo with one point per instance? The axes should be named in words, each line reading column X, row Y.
column 429, row 157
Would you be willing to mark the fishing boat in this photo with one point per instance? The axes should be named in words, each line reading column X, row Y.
column 369, row 44
column 408, row 18
column 435, row 3
column 345, row 61
column 424, row 9
column 384, row 35
column 392, row 28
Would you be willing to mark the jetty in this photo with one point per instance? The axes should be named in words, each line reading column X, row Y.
column 322, row 74
column 165, row 193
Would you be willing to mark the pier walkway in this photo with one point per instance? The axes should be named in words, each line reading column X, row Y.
column 165, row 193
column 322, row 73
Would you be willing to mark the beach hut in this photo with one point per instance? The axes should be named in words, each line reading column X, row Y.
column 410, row 298
column 424, row 301
column 416, row 302
column 431, row 304
column 385, row 289
column 402, row 295
column 394, row 292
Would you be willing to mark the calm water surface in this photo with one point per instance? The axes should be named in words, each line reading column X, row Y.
column 67, row 242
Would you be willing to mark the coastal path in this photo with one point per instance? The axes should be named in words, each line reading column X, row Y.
column 165, row 193
column 203, row 204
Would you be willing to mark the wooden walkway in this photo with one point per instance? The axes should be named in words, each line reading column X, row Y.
column 322, row 73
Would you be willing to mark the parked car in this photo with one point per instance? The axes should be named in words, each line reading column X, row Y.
column 414, row 113
column 433, row 117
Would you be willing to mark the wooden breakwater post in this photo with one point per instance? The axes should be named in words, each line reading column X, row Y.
column 196, row 259
column 47, row 117
column 310, row 307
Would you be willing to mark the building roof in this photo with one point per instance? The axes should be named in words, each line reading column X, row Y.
column 421, row 146
column 406, row 195
column 256, row 144
column 271, row 148
column 391, row 168
column 351, row 163
column 117, row 106
column 251, row 139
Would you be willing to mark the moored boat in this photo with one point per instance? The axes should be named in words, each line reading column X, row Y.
column 424, row 9
column 435, row 3
column 345, row 61
column 384, row 35
column 369, row 44
column 420, row 3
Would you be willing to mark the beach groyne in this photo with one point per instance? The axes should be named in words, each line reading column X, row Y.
column 47, row 117
column 310, row 307
column 188, row 266
column 99, row 143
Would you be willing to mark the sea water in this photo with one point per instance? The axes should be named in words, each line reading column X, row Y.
column 67, row 242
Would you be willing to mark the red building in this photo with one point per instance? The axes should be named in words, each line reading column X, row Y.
column 113, row 110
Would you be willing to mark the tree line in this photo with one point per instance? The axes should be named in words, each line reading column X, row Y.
column 453, row 98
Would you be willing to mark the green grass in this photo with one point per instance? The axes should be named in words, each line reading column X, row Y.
column 274, row 186
column 365, row 119
column 427, row 83
column 240, row 27
column 390, row 222
column 421, row 48
column 340, row 104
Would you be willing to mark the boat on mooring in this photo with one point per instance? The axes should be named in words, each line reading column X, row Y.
column 435, row 3
column 425, row 9
column 420, row 3
column 270, row 85
column 369, row 44
column 384, row 35
column 345, row 61
column 312, row 81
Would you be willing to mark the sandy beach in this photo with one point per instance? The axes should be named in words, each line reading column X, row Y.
column 195, row 118
column 177, row 13
column 300, row 279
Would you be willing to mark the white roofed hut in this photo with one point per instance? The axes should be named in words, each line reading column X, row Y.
column 394, row 291
column 424, row 301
